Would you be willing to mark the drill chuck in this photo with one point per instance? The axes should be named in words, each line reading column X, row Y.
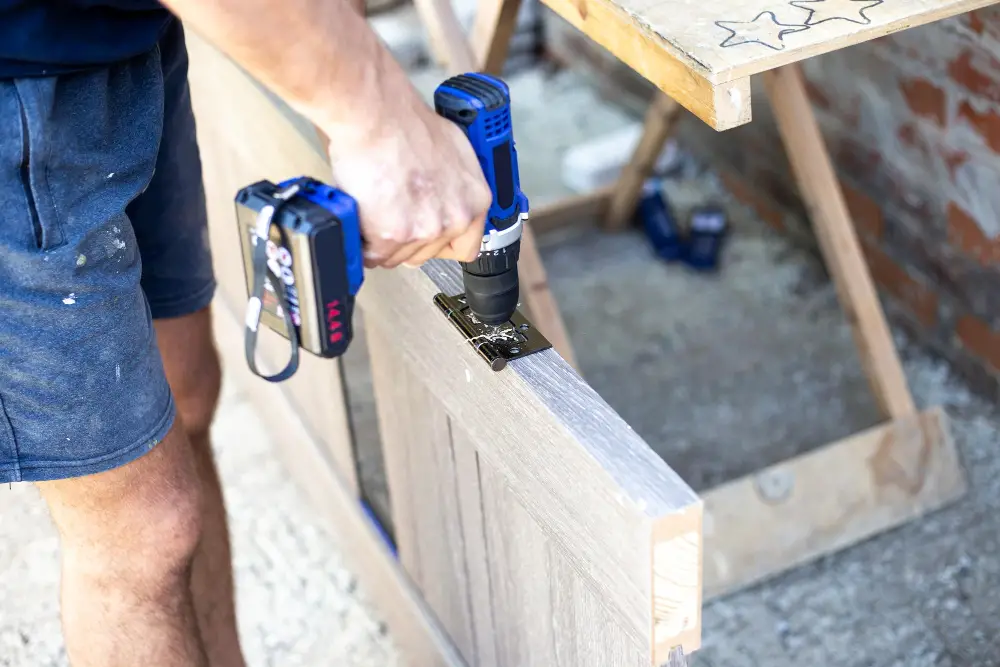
column 480, row 105
column 491, row 285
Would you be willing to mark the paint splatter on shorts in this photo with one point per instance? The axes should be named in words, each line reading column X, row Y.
column 102, row 229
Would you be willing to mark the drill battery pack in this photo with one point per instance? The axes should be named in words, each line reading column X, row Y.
column 301, row 243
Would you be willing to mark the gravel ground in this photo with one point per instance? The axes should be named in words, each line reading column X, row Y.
column 721, row 374
column 298, row 606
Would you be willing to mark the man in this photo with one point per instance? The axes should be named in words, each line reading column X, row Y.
column 108, row 373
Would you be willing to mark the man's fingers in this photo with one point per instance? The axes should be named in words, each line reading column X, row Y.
column 466, row 247
column 429, row 251
column 376, row 253
column 403, row 254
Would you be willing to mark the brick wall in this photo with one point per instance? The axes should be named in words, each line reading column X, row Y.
column 913, row 123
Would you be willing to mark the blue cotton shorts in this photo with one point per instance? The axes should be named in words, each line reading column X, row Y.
column 102, row 230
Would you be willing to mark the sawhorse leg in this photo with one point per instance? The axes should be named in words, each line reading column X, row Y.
column 820, row 189
column 661, row 118
column 857, row 487
column 845, row 491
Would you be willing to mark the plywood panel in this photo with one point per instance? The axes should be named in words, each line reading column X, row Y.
column 728, row 40
column 477, row 555
column 423, row 493
column 616, row 510
column 546, row 612
column 415, row 631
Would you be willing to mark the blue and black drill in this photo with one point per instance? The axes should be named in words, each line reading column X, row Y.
column 302, row 246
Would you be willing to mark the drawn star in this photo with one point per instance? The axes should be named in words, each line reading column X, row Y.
column 821, row 11
column 764, row 30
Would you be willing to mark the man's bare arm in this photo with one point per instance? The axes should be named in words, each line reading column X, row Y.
column 418, row 184
column 319, row 56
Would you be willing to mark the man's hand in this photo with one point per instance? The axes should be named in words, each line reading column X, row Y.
column 419, row 186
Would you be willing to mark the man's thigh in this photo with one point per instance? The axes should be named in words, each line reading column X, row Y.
column 82, row 207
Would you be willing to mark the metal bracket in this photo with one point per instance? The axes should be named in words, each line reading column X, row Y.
column 514, row 339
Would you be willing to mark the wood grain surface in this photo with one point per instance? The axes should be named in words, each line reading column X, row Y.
column 593, row 486
column 703, row 53
column 728, row 40
column 599, row 501
column 826, row 500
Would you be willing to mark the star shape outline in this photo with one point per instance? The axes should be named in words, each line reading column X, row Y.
column 803, row 4
column 789, row 28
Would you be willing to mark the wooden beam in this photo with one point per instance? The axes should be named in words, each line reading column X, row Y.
column 620, row 27
column 661, row 118
column 491, row 33
column 817, row 503
column 445, row 36
column 414, row 629
column 542, row 307
column 588, row 207
column 730, row 40
column 838, row 240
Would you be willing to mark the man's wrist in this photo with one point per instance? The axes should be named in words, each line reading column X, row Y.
column 384, row 102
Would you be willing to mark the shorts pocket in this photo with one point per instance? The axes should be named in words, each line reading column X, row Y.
column 47, row 233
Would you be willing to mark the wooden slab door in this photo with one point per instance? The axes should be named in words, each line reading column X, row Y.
column 532, row 525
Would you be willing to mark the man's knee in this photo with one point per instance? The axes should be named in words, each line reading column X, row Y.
column 193, row 369
column 137, row 526
column 197, row 395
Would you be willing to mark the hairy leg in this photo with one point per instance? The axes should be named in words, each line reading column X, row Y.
column 192, row 367
column 128, row 537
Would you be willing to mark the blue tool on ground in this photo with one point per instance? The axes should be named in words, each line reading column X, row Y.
column 706, row 234
column 659, row 222
column 302, row 245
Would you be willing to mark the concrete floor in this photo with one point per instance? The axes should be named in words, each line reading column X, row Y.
column 721, row 374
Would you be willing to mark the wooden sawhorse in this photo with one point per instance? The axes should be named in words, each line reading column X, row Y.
column 701, row 56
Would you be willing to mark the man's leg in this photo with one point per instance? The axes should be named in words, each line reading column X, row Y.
column 85, row 406
column 128, row 537
column 171, row 227
column 192, row 367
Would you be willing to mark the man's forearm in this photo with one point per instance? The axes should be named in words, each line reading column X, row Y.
column 320, row 56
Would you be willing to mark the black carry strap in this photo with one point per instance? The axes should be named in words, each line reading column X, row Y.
column 262, row 232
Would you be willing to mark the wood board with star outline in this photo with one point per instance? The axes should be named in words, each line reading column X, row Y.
column 694, row 51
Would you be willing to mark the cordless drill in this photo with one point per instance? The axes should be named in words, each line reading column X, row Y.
column 480, row 104
column 301, row 239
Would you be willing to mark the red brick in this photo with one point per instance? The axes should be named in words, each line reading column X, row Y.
column 753, row 198
column 987, row 124
column 980, row 339
column 866, row 214
column 918, row 299
column 925, row 99
column 975, row 22
column 977, row 73
column 964, row 233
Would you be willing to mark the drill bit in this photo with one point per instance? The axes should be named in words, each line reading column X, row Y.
column 676, row 658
